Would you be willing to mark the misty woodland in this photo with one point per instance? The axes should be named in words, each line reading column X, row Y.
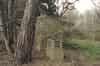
column 50, row 32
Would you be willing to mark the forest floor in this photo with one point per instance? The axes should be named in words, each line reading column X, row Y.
column 73, row 55
column 73, row 58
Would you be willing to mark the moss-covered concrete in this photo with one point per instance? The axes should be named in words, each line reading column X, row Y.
column 49, row 36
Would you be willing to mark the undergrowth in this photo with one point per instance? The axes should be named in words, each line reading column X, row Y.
column 89, row 48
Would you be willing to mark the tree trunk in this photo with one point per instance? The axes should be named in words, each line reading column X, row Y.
column 11, row 26
column 3, row 21
column 25, row 38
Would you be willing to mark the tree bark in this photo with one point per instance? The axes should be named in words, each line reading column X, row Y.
column 11, row 27
column 25, row 40
column 9, row 21
column 3, row 21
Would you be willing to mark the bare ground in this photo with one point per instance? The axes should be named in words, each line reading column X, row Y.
column 73, row 57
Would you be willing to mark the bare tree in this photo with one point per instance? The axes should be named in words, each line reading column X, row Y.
column 25, row 38
column 11, row 26
column 2, row 35
column 3, row 23
column 7, row 11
